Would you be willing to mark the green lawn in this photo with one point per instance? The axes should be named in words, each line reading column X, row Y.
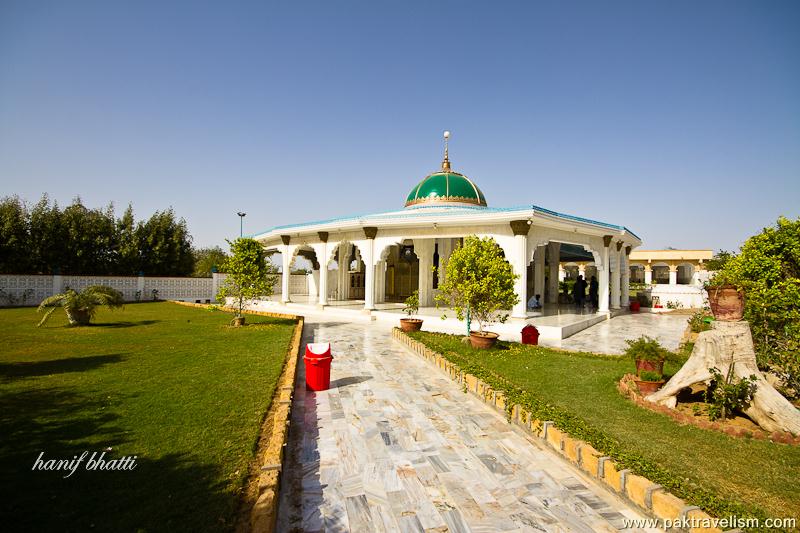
column 172, row 385
column 708, row 468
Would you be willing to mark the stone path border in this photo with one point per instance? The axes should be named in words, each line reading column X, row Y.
column 273, row 436
column 648, row 496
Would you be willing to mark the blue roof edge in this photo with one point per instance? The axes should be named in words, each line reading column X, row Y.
column 455, row 210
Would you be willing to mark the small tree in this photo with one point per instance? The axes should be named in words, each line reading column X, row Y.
column 412, row 304
column 249, row 276
column 81, row 306
column 479, row 279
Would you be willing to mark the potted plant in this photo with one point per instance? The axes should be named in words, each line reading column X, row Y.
column 411, row 309
column 647, row 354
column 81, row 306
column 479, row 282
column 648, row 382
column 725, row 298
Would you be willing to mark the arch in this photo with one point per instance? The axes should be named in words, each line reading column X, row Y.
column 685, row 273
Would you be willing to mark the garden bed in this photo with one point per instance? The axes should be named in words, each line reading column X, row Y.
column 577, row 391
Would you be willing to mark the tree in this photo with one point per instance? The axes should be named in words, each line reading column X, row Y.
column 206, row 259
column 249, row 275
column 768, row 270
column 81, row 306
column 719, row 260
column 14, row 242
column 164, row 245
column 479, row 279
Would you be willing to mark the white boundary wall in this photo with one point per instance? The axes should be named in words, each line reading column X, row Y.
column 22, row 290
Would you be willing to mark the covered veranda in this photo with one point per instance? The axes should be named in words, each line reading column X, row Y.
column 367, row 265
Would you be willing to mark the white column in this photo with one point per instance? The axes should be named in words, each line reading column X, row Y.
column 616, row 277
column 286, row 265
column 673, row 275
column 424, row 250
column 538, row 271
column 626, row 279
column 553, row 256
column 369, row 274
column 648, row 274
column 343, row 274
column 519, row 259
column 602, row 281
column 380, row 282
column 582, row 270
column 322, row 295
column 445, row 249
column 562, row 274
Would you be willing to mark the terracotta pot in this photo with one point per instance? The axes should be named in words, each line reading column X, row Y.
column 484, row 340
column 726, row 302
column 648, row 387
column 410, row 324
column 652, row 366
column 238, row 321
column 78, row 317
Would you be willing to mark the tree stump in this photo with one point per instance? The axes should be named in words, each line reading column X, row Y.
column 725, row 344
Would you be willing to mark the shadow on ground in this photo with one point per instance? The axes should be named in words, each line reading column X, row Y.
column 10, row 371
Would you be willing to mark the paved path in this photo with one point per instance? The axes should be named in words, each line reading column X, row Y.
column 396, row 446
column 609, row 336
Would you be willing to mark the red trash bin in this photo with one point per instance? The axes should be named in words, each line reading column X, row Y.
column 318, row 366
column 530, row 335
column 635, row 306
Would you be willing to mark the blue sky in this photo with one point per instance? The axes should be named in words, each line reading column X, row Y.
column 680, row 120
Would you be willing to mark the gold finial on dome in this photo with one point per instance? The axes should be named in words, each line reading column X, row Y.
column 446, row 161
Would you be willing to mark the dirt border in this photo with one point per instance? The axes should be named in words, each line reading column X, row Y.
column 258, row 510
column 649, row 497
column 627, row 387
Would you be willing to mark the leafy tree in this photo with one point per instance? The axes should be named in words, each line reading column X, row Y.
column 205, row 259
column 81, row 306
column 478, row 278
column 14, row 242
column 719, row 260
column 164, row 245
column 249, row 275
column 47, row 237
column 768, row 270
column 127, row 246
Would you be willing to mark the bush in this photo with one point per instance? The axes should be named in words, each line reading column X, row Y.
column 728, row 394
column 768, row 270
column 646, row 349
column 698, row 322
column 480, row 280
column 649, row 375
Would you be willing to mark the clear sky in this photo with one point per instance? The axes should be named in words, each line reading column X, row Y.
column 680, row 120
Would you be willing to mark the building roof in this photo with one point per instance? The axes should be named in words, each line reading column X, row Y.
column 446, row 188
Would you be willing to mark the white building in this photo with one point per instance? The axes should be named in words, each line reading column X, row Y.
column 374, row 261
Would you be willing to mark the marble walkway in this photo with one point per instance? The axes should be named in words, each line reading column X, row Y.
column 396, row 446
column 609, row 336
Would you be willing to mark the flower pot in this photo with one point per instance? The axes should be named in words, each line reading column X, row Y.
column 652, row 366
column 238, row 321
column 78, row 317
column 647, row 388
column 484, row 340
column 410, row 324
column 726, row 302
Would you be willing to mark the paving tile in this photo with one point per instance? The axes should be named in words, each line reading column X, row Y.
column 396, row 446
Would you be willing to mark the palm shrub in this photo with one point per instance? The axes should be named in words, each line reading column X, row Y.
column 480, row 280
column 81, row 306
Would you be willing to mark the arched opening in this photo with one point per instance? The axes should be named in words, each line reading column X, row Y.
column 401, row 274
column 637, row 273
column 685, row 274
column 346, row 274
column 660, row 274
column 553, row 271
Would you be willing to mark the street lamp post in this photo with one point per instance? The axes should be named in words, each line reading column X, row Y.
column 241, row 223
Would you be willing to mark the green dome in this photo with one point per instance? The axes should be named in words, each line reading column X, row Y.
column 446, row 187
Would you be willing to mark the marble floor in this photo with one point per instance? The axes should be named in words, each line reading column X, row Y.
column 396, row 446
column 609, row 336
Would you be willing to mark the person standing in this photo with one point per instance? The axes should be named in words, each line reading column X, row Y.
column 593, row 292
column 579, row 292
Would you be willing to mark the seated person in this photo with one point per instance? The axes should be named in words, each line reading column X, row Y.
column 534, row 302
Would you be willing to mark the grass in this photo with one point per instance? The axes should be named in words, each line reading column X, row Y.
column 711, row 468
column 172, row 385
